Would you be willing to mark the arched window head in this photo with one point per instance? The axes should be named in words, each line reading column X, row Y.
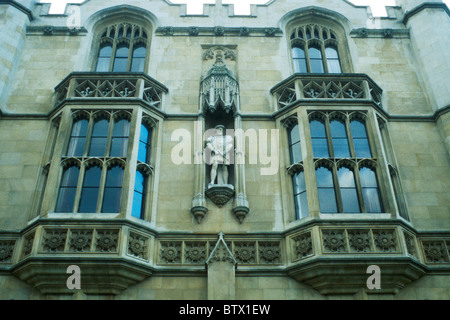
column 123, row 48
column 99, row 138
column 119, row 140
column 314, row 49
column 319, row 139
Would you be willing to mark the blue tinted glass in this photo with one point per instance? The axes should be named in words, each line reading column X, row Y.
column 350, row 201
column 78, row 138
column 113, row 190
column 368, row 178
column 294, row 134
column 144, row 144
column 296, row 153
column 320, row 147
column 358, row 129
column 92, row 177
column 137, row 205
column 301, row 205
column 89, row 194
column 299, row 182
column 324, row 178
column 346, row 178
column 70, row 177
column 372, row 200
column 298, row 53
column 317, row 129
column 327, row 201
column 114, row 177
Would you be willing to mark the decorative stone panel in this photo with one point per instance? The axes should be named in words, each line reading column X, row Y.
column 334, row 241
column 138, row 245
column 302, row 246
column 195, row 252
column 54, row 240
column 269, row 252
column 107, row 241
column 6, row 250
column 80, row 240
column 245, row 252
column 435, row 251
column 171, row 252
column 27, row 245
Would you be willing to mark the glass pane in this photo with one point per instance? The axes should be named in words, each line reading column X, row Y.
column 103, row 64
column 368, row 178
column 372, row 200
column 334, row 66
column 67, row 190
column 70, row 177
column 341, row 149
column 298, row 53
column 358, row 129
column 92, row 177
column 111, row 200
column 119, row 142
column 99, row 138
column 105, row 52
column 320, row 147
column 315, row 53
column 88, row 202
column 327, row 201
column 77, row 138
column 362, row 148
column 317, row 129
column 120, row 65
column 89, row 194
column 301, row 205
column 294, row 134
column 360, row 140
column 138, row 197
column 66, row 199
column 346, row 178
column 299, row 182
column 331, row 53
column 139, row 52
column 300, row 66
column 348, row 190
column 113, row 190
column 340, row 142
column 350, row 201
column 114, row 177
column 137, row 205
column 296, row 153
column 137, row 65
column 144, row 144
column 316, row 66
column 324, row 178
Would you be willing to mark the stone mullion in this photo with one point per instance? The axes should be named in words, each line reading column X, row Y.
column 385, row 184
column 337, row 189
column 126, row 201
column 359, row 190
column 308, row 164
column 87, row 143
column 101, row 188
column 350, row 137
column 79, row 190
column 324, row 56
column 111, row 124
column 51, row 192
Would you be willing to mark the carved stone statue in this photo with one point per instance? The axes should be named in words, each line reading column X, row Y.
column 220, row 146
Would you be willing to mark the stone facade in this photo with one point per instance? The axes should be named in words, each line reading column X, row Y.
column 160, row 231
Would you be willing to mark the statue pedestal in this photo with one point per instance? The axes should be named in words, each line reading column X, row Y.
column 220, row 194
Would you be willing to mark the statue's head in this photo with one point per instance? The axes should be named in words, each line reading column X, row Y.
column 220, row 129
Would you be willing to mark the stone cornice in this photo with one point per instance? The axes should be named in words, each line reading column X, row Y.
column 423, row 6
column 18, row 6
column 218, row 31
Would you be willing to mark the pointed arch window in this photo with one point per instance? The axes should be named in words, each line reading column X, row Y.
column 123, row 48
column 346, row 170
column 314, row 49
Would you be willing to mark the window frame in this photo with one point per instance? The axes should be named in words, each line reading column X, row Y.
column 109, row 35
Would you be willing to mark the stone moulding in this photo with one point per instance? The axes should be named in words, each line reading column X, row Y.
column 338, row 88
column 220, row 194
column 114, row 254
column 108, row 85
column 219, row 31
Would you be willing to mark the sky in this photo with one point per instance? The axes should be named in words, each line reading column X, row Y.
column 240, row 6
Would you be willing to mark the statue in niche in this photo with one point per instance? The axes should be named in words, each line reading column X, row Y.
column 220, row 146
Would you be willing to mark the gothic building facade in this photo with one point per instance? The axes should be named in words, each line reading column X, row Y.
column 299, row 152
